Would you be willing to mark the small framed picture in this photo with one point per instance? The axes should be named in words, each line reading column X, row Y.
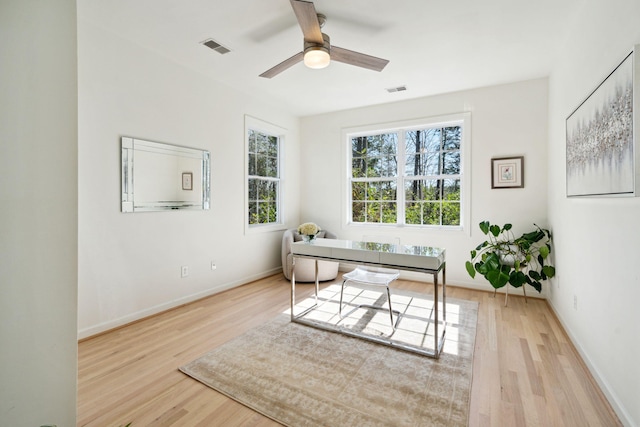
column 507, row 172
column 187, row 181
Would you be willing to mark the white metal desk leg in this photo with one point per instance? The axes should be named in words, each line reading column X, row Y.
column 436, row 319
column 317, row 282
column 444, row 307
column 293, row 286
column 444, row 296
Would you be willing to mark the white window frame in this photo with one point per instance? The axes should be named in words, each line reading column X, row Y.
column 459, row 119
column 255, row 124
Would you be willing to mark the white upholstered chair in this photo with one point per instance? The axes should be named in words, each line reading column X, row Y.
column 373, row 276
column 305, row 269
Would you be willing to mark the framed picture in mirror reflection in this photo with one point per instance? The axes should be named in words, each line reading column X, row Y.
column 187, row 181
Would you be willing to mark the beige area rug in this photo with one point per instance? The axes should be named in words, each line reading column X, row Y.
column 299, row 375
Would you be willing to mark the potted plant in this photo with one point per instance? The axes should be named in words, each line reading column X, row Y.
column 504, row 259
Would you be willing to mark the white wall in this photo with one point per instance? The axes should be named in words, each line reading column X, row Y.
column 596, row 239
column 38, row 212
column 129, row 264
column 505, row 120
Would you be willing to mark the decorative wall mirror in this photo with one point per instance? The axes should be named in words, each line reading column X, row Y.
column 158, row 176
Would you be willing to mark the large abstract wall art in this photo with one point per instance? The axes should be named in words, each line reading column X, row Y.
column 600, row 138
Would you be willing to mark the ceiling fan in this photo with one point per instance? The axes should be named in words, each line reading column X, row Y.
column 318, row 51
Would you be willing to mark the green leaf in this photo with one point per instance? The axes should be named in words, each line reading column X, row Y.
column 473, row 254
column 544, row 251
column 493, row 261
column 484, row 226
column 482, row 245
column 470, row 269
column 482, row 268
column 537, row 286
column 517, row 279
column 549, row 270
column 533, row 236
column 535, row 275
column 497, row 278
column 507, row 227
column 495, row 230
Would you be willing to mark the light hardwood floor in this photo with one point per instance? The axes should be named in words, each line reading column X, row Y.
column 525, row 370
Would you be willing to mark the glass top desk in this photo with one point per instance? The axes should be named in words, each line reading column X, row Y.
column 423, row 259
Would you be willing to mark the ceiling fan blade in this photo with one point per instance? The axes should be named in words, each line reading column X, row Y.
column 358, row 59
column 308, row 19
column 272, row 72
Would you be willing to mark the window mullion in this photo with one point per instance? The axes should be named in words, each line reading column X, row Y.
column 400, row 202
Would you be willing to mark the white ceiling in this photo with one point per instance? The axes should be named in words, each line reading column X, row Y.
column 433, row 46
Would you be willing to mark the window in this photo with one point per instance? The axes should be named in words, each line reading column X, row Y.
column 263, row 175
column 432, row 176
column 409, row 175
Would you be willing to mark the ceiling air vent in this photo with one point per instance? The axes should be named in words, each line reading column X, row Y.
column 396, row 89
column 212, row 44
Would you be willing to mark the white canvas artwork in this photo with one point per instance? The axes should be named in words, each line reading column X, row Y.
column 600, row 140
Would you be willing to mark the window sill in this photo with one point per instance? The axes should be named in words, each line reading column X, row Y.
column 263, row 228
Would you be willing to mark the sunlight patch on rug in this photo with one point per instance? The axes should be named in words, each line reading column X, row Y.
column 304, row 376
column 415, row 327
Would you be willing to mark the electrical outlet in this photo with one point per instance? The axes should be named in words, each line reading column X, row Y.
column 184, row 272
column 575, row 302
column 213, row 265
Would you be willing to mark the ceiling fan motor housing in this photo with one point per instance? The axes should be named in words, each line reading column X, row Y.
column 317, row 55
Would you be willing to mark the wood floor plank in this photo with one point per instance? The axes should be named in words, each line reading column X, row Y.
column 525, row 370
column 532, row 373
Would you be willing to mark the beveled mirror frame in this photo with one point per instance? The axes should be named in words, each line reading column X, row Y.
column 195, row 198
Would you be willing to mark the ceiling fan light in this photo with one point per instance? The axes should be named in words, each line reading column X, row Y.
column 316, row 57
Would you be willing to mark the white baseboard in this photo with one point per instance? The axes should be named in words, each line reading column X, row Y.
column 620, row 411
column 478, row 286
column 133, row 317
